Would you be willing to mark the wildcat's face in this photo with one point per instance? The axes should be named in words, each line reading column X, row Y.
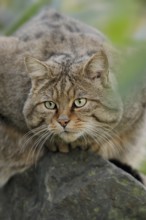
column 71, row 99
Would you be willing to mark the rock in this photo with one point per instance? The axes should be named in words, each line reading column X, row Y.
column 73, row 186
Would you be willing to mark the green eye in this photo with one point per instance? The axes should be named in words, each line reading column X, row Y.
column 80, row 102
column 50, row 105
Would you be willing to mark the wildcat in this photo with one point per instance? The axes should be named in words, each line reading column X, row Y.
column 58, row 89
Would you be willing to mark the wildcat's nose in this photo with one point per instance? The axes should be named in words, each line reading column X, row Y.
column 63, row 120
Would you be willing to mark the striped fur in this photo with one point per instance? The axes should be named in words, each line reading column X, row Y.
column 66, row 62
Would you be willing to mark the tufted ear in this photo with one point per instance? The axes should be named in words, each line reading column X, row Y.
column 97, row 67
column 36, row 69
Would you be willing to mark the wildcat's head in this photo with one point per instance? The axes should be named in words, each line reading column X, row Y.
column 72, row 98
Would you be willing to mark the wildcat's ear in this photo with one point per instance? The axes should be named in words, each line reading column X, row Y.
column 36, row 69
column 97, row 67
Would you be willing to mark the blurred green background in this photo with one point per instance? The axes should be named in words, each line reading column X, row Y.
column 122, row 21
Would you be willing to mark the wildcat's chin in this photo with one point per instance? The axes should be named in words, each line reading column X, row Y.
column 69, row 137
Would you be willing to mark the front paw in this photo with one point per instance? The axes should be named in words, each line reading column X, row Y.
column 79, row 145
column 91, row 147
column 61, row 147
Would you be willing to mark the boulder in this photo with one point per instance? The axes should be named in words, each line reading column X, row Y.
column 74, row 186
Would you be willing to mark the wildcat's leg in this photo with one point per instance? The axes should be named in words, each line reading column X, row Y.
column 13, row 158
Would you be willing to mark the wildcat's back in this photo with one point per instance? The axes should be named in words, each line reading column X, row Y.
column 51, row 23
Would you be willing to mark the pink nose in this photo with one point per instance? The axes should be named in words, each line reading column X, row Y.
column 63, row 120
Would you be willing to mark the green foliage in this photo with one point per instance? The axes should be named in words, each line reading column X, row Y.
column 26, row 15
column 132, row 72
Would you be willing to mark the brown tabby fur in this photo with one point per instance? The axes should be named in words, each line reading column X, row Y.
column 64, row 60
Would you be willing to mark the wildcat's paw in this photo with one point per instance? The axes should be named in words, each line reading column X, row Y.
column 61, row 147
column 79, row 145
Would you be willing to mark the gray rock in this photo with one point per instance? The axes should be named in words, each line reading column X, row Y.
column 74, row 186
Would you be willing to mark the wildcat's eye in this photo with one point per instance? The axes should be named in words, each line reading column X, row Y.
column 50, row 105
column 80, row 102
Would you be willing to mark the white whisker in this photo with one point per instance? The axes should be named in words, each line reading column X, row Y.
column 36, row 144
column 101, row 136
column 30, row 138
